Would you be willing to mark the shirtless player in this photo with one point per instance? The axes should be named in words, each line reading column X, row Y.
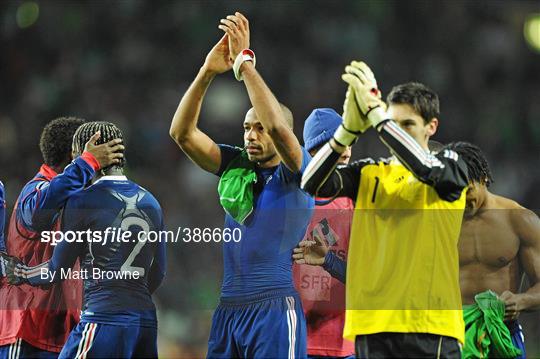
column 499, row 242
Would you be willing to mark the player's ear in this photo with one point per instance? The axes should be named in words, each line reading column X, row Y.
column 432, row 126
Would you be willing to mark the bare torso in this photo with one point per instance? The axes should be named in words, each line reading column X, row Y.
column 488, row 250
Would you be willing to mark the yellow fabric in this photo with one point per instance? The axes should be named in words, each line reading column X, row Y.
column 403, row 267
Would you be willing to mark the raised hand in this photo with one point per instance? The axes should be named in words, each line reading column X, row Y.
column 218, row 59
column 368, row 97
column 353, row 119
column 106, row 154
column 237, row 28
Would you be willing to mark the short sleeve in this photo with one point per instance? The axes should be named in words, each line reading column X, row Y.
column 291, row 176
column 228, row 153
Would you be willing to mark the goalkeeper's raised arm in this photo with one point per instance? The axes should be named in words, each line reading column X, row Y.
column 405, row 129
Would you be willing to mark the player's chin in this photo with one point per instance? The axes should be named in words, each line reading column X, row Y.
column 254, row 157
column 261, row 157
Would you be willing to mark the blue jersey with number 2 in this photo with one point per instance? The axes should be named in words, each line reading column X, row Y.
column 120, row 271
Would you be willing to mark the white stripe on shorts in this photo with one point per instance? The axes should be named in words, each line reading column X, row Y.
column 83, row 339
column 291, row 322
column 89, row 341
column 15, row 349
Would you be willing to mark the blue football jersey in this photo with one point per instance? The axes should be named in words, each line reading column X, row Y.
column 106, row 226
column 261, row 260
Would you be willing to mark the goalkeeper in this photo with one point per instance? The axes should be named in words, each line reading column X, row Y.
column 403, row 297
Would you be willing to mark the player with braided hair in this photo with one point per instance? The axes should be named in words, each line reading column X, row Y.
column 33, row 322
column 499, row 243
column 108, row 131
column 119, row 316
column 477, row 163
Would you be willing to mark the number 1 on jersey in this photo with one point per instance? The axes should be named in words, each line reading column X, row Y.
column 375, row 189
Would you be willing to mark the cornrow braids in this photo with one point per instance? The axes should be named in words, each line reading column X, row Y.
column 56, row 138
column 477, row 163
column 109, row 132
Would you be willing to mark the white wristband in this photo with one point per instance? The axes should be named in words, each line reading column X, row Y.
column 376, row 116
column 344, row 137
column 244, row 55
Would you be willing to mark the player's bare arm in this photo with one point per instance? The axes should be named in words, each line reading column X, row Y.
column 200, row 148
column 527, row 226
column 264, row 102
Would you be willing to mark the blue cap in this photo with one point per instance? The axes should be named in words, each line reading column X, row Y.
column 320, row 127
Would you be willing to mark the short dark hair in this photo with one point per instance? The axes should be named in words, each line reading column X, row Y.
column 477, row 164
column 109, row 131
column 56, row 139
column 423, row 99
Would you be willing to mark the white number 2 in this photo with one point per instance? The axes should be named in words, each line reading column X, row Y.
column 127, row 266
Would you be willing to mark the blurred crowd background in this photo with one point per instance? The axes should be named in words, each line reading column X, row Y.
column 130, row 61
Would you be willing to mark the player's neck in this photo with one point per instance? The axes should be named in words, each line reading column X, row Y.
column 57, row 169
column 485, row 201
column 488, row 200
column 110, row 172
column 273, row 162
column 60, row 168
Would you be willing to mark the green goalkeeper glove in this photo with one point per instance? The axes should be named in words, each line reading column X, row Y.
column 368, row 97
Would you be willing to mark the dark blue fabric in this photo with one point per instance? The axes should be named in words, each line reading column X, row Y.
column 40, row 200
column 112, row 205
column 24, row 351
column 267, row 328
column 336, row 266
column 262, row 259
column 113, row 341
column 517, row 337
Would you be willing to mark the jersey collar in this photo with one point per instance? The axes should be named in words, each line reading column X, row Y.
column 47, row 172
column 112, row 178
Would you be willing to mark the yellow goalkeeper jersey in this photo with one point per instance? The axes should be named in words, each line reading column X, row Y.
column 403, row 268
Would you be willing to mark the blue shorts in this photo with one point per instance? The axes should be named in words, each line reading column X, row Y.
column 21, row 349
column 95, row 340
column 516, row 331
column 271, row 325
